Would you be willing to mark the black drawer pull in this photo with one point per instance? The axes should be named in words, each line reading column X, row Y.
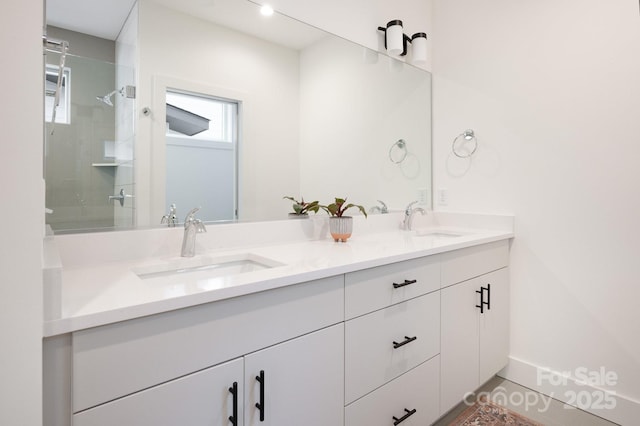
column 397, row 421
column 260, row 405
column 406, row 282
column 406, row 340
column 233, row 418
column 482, row 301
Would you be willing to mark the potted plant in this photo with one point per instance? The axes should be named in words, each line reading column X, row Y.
column 341, row 226
column 301, row 209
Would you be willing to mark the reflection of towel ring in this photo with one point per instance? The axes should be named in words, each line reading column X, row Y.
column 467, row 136
column 398, row 155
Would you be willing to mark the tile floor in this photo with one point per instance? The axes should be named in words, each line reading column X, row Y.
column 557, row 413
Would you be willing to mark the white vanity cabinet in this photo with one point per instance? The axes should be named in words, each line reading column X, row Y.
column 295, row 381
column 147, row 361
column 475, row 321
column 400, row 343
column 392, row 341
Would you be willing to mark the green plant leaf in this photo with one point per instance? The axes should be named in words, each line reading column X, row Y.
column 300, row 207
column 338, row 207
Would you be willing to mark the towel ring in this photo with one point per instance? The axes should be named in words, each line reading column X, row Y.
column 401, row 146
column 467, row 136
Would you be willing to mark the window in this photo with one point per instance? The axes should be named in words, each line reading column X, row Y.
column 219, row 112
column 202, row 169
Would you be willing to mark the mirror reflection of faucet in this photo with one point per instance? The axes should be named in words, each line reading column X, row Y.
column 381, row 209
column 171, row 218
column 192, row 226
column 408, row 215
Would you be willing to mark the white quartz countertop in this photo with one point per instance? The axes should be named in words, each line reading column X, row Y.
column 99, row 294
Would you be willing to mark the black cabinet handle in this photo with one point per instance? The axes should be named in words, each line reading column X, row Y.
column 260, row 405
column 406, row 340
column 482, row 301
column 406, row 282
column 397, row 421
column 481, row 305
column 233, row 418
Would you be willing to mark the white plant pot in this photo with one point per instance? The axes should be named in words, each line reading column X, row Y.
column 341, row 228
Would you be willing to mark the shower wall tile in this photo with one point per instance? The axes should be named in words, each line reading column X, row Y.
column 124, row 174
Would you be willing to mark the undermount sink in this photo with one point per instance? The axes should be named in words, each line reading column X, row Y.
column 214, row 266
column 437, row 233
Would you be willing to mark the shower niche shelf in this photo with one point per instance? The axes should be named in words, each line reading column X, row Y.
column 105, row 164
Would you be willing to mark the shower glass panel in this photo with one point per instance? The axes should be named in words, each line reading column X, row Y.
column 89, row 153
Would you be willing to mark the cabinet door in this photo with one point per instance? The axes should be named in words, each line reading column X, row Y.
column 494, row 325
column 202, row 398
column 302, row 381
column 459, row 361
column 475, row 344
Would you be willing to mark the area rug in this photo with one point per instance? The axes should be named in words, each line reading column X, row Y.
column 486, row 413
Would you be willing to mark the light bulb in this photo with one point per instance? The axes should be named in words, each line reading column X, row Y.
column 266, row 10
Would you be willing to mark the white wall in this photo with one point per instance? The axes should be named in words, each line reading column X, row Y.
column 22, row 194
column 552, row 90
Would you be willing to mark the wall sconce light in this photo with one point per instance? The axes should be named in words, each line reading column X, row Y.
column 419, row 48
column 395, row 41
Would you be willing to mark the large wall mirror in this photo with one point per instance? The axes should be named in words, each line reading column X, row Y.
column 212, row 104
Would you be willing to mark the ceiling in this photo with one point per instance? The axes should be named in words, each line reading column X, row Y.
column 105, row 18
column 99, row 18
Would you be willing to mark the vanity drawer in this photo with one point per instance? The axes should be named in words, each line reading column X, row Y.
column 372, row 289
column 118, row 359
column 371, row 358
column 464, row 264
column 417, row 389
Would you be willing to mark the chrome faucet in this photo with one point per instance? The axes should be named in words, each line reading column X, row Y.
column 192, row 226
column 408, row 215
column 382, row 210
column 171, row 218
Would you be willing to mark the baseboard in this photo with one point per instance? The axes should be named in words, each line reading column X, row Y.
column 603, row 403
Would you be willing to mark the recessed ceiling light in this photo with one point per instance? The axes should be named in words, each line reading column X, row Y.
column 266, row 10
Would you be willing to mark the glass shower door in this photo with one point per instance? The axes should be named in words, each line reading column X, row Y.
column 89, row 149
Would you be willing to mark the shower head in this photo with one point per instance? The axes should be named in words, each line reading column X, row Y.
column 106, row 99
column 126, row 91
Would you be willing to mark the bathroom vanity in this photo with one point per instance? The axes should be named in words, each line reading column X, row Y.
column 386, row 329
